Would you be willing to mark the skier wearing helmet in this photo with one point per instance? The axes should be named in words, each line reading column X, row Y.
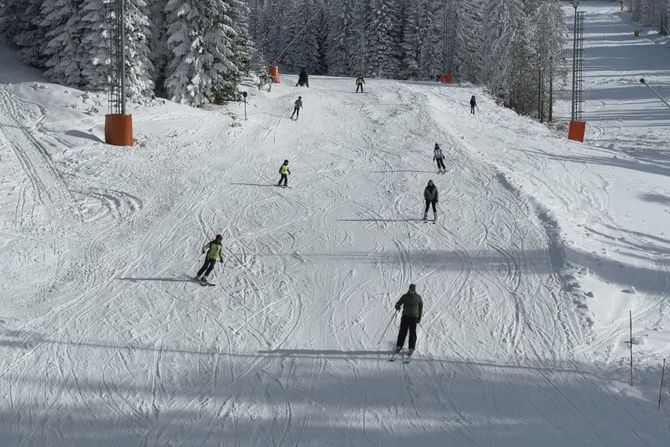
column 284, row 172
column 431, row 196
column 296, row 108
column 412, row 309
column 213, row 250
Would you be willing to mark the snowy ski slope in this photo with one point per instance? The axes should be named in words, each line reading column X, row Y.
column 105, row 340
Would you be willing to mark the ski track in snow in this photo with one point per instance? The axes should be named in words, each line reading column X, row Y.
column 122, row 348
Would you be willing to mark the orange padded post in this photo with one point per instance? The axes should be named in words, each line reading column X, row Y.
column 577, row 131
column 274, row 72
column 119, row 130
column 447, row 78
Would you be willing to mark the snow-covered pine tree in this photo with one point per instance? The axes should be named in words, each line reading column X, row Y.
column 303, row 27
column 548, row 37
column 432, row 61
column 140, row 71
column 20, row 20
column 277, row 15
column 94, row 43
column 384, row 38
column 522, row 89
column 62, row 50
column 241, row 46
column 359, row 40
column 413, row 39
column 199, row 39
column 636, row 8
column 160, row 55
column 341, row 37
column 470, row 35
column 506, row 52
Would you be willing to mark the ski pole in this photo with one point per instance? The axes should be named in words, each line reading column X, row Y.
column 424, row 331
column 388, row 326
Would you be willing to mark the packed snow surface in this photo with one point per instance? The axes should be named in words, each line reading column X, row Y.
column 540, row 248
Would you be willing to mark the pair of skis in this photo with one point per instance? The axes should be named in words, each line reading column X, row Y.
column 403, row 355
column 203, row 282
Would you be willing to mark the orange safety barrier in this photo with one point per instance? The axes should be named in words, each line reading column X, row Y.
column 274, row 72
column 577, row 131
column 119, row 130
column 447, row 78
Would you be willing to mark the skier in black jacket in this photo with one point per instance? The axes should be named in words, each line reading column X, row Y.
column 302, row 78
column 412, row 305
column 431, row 195
column 473, row 105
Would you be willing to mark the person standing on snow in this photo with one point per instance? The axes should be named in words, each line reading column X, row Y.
column 213, row 250
column 296, row 108
column 438, row 156
column 473, row 105
column 359, row 83
column 412, row 305
column 284, row 172
column 302, row 78
column 431, row 196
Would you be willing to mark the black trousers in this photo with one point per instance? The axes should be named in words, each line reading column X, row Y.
column 296, row 112
column 440, row 163
column 359, row 86
column 207, row 267
column 429, row 203
column 407, row 324
column 472, row 108
column 284, row 178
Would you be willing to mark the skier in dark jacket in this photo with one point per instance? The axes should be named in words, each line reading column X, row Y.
column 214, row 253
column 284, row 172
column 303, row 80
column 296, row 108
column 431, row 195
column 438, row 156
column 473, row 105
column 359, row 83
column 412, row 305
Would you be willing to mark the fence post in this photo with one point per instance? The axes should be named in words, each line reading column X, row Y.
column 660, row 393
column 630, row 315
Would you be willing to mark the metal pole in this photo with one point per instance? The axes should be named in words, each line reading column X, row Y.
column 574, row 65
column 655, row 92
column 551, row 93
column 387, row 326
column 630, row 316
column 660, row 393
column 245, row 108
column 122, row 30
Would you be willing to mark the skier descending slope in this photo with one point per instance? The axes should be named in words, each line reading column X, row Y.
column 412, row 305
column 284, row 171
column 296, row 108
column 473, row 105
column 438, row 156
column 431, row 195
column 213, row 250
column 359, row 83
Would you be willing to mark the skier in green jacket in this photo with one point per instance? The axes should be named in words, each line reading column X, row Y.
column 284, row 171
column 359, row 83
column 412, row 305
column 214, row 253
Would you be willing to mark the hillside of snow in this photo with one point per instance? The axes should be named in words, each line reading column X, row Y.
column 540, row 249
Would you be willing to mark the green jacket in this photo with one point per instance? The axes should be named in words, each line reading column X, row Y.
column 412, row 305
column 213, row 250
column 360, row 80
column 283, row 169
